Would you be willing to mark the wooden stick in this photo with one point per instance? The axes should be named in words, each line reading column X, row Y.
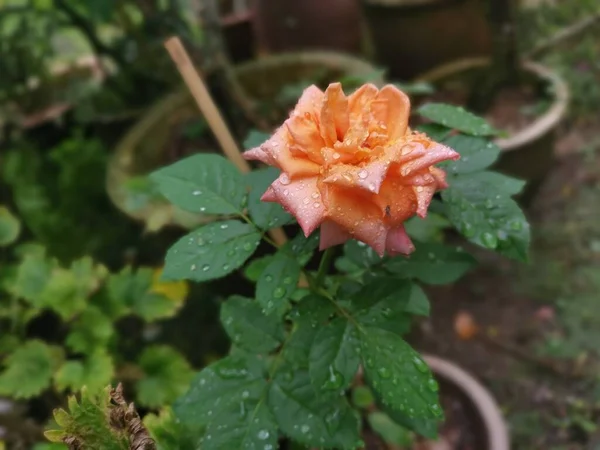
column 197, row 87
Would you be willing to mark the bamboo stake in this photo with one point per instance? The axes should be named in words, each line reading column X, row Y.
column 193, row 79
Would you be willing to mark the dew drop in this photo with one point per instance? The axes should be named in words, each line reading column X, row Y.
column 193, row 267
column 369, row 362
column 286, row 192
column 516, row 225
column 420, row 364
column 262, row 435
column 384, row 372
column 468, row 230
column 315, row 195
column 316, row 205
column 268, row 278
column 306, row 201
column 284, row 179
column 279, row 292
column 224, row 226
column 489, row 240
column 225, row 266
column 197, row 193
column 419, row 188
column 433, row 385
column 336, row 155
column 247, row 246
column 201, row 242
column 205, row 268
column 334, row 381
column 363, row 174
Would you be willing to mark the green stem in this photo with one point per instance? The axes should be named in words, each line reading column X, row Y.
column 326, row 260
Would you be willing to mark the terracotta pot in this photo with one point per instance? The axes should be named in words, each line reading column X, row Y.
column 283, row 25
column 142, row 149
column 529, row 153
column 411, row 36
column 489, row 426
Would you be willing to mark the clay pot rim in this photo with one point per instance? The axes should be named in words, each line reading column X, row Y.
column 539, row 127
column 486, row 406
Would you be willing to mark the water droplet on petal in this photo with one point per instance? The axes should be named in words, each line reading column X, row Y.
column 363, row 174
column 316, row 205
column 284, row 179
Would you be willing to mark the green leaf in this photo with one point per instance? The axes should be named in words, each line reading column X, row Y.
column 488, row 181
column 132, row 291
column 10, row 227
column 308, row 316
column 68, row 290
column 391, row 432
column 33, row 274
column 429, row 229
column 277, row 283
column 167, row 376
column 253, row 270
column 415, row 88
column 248, row 327
column 334, row 356
column 383, row 302
column 487, row 216
column 362, row 397
column 432, row 263
column 255, row 138
column 169, row 433
column 399, row 375
column 301, row 248
column 476, row 154
column 311, row 418
column 358, row 256
column 418, row 302
column 29, row 369
column 95, row 372
column 265, row 215
column 212, row 251
column 456, row 117
column 248, row 425
column 228, row 382
column 89, row 331
column 203, row 183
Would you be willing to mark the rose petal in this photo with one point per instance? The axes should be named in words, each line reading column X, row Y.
column 368, row 177
column 359, row 102
column 440, row 177
column 398, row 242
column 396, row 201
column 335, row 118
column 269, row 195
column 390, row 109
column 302, row 199
column 332, row 234
column 424, row 195
column 305, row 137
column 434, row 153
column 357, row 214
column 310, row 101
column 258, row 154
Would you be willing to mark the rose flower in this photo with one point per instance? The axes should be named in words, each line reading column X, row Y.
column 353, row 167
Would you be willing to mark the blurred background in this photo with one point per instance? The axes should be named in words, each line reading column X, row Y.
column 90, row 103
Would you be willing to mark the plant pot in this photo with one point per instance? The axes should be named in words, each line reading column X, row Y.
column 484, row 417
column 527, row 153
column 411, row 36
column 307, row 24
column 143, row 148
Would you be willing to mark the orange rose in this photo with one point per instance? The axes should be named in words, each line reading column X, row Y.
column 352, row 166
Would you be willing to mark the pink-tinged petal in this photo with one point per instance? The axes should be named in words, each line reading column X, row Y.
column 398, row 242
column 359, row 102
column 440, row 177
column 390, row 109
column 258, row 154
column 435, row 153
column 357, row 215
column 335, row 118
column 424, row 195
column 332, row 234
column 420, row 178
column 269, row 195
column 302, row 199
